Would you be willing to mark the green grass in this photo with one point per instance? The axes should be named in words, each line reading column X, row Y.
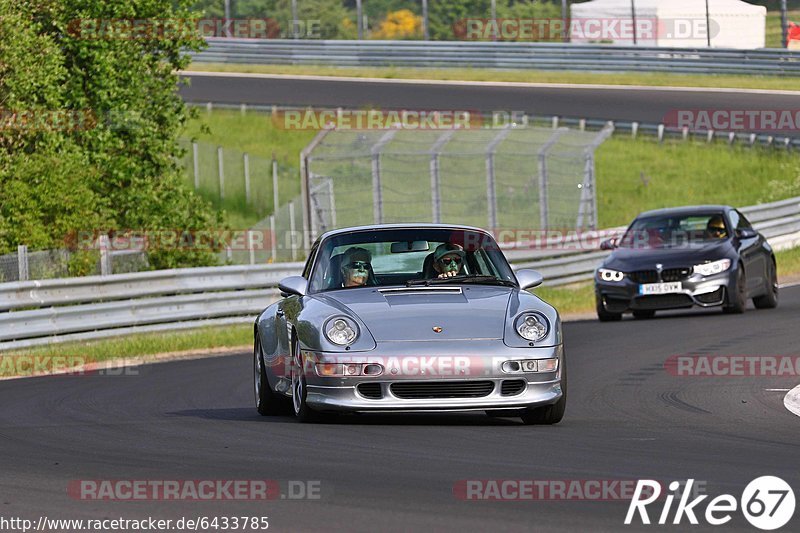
column 788, row 263
column 637, row 175
column 142, row 345
column 526, row 76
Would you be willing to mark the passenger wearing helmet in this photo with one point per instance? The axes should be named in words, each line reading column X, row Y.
column 715, row 229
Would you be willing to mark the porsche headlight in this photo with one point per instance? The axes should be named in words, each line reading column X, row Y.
column 715, row 267
column 341, row 330
column 532, row 326
column 606, row 274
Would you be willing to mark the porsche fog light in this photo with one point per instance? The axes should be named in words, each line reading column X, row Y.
column 532, row 326
column 341, row 331
column 548, row 365
column 329, row 369
column 529, row 366
column 715, row 267
column 607, row 274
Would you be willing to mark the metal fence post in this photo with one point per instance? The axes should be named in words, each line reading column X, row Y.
column 292, row 230
column 246, row 177
column 221, row 171
column 436, row 199
column 377, row 189
column 105, row 255
column 250, row 247
column 22, row 262
column 196, row 167
column 491, row 195
column 273, row 244
column 275, row 201
column 544, row 202
column 304, row 186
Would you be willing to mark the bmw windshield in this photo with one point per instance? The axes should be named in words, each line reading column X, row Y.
column 676, row 231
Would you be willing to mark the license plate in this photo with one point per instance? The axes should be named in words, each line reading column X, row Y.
column 660, row 288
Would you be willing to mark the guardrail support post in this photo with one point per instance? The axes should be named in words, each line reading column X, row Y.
column 685, row 133
column 22, row 262
column 634, row 129
column 710, row 136
column 660, row 133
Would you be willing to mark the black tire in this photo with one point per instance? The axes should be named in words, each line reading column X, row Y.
column 643, row 315
column 549, row 414
column 267, row 402
column 737, row 300
column 300, row 407
column 604, row 315
column 769, row 300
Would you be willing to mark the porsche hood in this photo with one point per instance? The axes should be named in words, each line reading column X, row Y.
column 443, row 312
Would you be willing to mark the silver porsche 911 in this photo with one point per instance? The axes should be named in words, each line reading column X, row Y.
column 410, row 318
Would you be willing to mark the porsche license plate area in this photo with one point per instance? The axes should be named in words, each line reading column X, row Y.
column 660, row 288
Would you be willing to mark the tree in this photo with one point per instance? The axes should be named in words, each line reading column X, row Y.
column 117, row 168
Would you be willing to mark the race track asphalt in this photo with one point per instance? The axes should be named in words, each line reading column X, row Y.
column 627, row 418
column 649, row 105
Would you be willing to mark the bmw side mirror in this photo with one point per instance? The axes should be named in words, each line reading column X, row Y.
column 297, row 285
column 608, row 244
column 746, row 233
column 529, row 279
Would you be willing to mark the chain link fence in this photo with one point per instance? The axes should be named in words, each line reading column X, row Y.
column 51, row 264
column 498, row 178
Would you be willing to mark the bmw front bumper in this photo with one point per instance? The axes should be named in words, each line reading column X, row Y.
column 696, row 290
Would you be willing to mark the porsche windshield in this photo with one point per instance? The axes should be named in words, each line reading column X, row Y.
column 675, row 231
column 391, row 257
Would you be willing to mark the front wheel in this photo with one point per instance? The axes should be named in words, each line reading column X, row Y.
column 267, row 402
column 737, row 301
column 604, row 315
column 302, row 411
column 769, row 300
column 549, row 414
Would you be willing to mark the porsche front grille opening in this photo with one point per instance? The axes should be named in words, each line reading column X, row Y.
column 442, row 389
column 511, row 387
column 373, row 391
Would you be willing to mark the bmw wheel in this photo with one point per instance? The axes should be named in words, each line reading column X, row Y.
column 769, row 300
column 737, row 300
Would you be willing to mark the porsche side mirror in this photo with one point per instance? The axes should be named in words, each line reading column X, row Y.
column 746, row 233
column 608, row 244
column 529, row 279
column 297, row 285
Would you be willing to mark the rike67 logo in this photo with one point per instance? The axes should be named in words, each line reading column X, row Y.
column 767, row 503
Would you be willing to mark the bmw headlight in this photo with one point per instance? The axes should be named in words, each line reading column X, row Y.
column 715, row 267
column 532, row 326
column 341, row 330
column 606, row 274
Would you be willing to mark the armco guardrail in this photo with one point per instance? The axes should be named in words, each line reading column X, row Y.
column 40, row 312
column 501, row 55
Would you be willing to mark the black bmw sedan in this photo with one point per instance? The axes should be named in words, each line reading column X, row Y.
column 707, row 256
